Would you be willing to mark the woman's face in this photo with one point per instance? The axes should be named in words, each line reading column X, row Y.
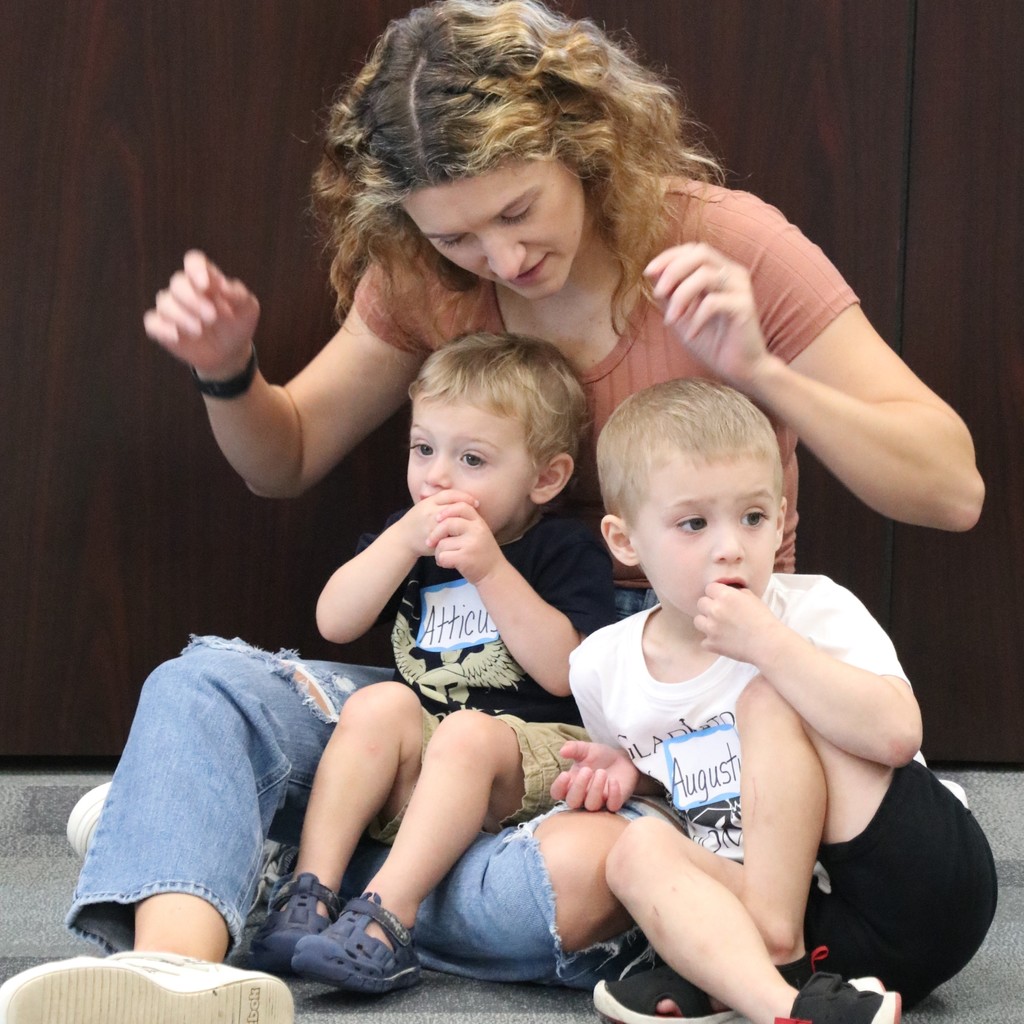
column 519, row 226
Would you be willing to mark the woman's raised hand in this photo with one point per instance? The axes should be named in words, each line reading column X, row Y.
column 205, row 319
column 708, row 301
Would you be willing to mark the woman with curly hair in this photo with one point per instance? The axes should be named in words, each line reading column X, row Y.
column 494, row 166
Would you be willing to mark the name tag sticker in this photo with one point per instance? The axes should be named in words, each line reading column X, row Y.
column 453, row 617
column 704, row 767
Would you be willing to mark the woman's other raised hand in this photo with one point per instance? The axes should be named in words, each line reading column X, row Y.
column 204, row 318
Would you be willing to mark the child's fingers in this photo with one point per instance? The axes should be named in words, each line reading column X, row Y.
column 574, row 750
column 560, row 786
column 614, row 799
column 457, row 507
column 596, row 798
column 579, row 787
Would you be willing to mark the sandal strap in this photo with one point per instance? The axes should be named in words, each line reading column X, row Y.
column 307, row 883
column 370, row 905
column 642, row 992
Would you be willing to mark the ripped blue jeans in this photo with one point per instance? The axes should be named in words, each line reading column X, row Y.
column 221, row 755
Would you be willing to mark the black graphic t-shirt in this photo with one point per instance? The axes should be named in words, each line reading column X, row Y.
column 447, row 647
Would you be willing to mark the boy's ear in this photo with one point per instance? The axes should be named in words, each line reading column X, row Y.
column 780, row 524
column 616, row 536
column 551, row 479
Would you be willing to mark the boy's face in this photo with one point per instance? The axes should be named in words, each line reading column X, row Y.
column 461, row 447
column 704, row 522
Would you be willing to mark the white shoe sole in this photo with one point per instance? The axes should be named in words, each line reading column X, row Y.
column 90, row 990
column 83, row 818
column 612, row 1010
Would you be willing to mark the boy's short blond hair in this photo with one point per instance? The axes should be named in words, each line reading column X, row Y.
column 698, row 418
column 513, row 375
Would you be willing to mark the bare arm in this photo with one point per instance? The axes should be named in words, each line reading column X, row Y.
column 872, row 716
column 357, row 592
column 281, row 440
column 538, row 635
column 889, row 438
column 854, row 403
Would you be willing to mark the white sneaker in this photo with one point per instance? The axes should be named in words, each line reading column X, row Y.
column 84, row 816
column 143, row 988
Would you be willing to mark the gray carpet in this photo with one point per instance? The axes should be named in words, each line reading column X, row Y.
column 38, row 871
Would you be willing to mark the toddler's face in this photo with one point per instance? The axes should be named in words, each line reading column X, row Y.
column 705, row 522
column 461, row 447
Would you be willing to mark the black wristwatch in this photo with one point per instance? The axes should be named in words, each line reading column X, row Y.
column 231, row 388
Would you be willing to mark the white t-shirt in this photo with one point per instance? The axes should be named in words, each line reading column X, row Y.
column 684, row 734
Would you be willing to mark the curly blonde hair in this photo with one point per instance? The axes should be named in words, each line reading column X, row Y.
column 515, row 376
column 458, row 88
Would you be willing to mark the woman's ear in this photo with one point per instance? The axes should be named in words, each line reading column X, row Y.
column 551, row 479
column 616, row 536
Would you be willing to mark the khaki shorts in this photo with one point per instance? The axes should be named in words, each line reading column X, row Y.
column 539, row 743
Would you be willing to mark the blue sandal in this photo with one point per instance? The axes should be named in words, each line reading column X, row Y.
column 346, row 957
column 292, row 916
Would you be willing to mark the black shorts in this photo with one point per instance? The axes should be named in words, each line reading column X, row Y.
column 912, row 896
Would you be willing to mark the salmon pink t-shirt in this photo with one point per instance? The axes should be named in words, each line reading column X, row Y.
column 797, row 292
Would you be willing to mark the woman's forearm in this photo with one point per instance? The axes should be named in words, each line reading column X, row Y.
column 282, row 440
column 890, row 440
column 260, row 436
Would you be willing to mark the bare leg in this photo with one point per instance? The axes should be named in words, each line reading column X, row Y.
column 783, row 796
column 370, row 764
column 696, row 923
column 855, row 790
column 472, row 777
column 797, row 789
column 180, row 923
column 575, row 847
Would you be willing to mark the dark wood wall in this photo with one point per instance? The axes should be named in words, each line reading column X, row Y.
column 890, row 130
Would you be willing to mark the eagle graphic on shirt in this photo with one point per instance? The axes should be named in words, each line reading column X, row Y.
column 447, row 676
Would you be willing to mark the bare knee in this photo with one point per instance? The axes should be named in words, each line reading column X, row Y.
column 474, row 738
column 641, row 844
column 575, row 847
column 761, row 705
column 379, row 716
column 382, row 702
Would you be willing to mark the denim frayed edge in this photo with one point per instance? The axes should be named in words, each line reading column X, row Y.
column 289, row 666
column 235, row 923
column 566, row 972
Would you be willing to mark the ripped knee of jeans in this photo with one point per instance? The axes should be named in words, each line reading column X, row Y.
column 604, row 960
column 323, row 691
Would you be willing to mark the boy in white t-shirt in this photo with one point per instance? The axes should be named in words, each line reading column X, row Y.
column 796, row 668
